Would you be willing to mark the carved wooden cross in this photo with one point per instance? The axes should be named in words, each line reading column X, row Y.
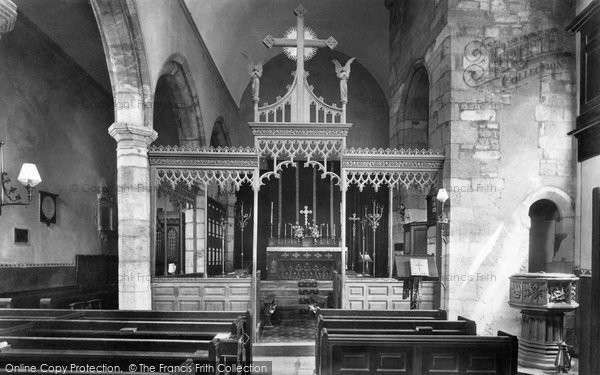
column 306, row 212
column 300, row 43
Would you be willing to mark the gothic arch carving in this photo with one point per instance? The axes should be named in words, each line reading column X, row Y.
column 177, row 73
column 123, row 43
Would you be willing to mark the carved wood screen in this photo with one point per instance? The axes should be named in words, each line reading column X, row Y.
column 173, row 244
column 215, row 237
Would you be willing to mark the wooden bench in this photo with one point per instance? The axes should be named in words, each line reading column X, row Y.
column 31, row 298
column 382, row 314
column 387, row 327
column 64, row 299
column 109, row 351
column 417, row 354
column 124, row 324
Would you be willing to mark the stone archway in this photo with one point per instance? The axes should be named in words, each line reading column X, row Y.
column 415, row 115
column 176, row 75
column 121, row 36
column 122, row 39
column 564, row 226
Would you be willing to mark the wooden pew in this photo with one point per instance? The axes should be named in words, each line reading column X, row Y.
column 148, row 324
column 382, row 314
column 418, row 354
column 63, row 300
column 110, row 351
column 31, row 298
column 386, row 327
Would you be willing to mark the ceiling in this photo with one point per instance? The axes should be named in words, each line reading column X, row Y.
column 230, row 27
column 72, row 26
column 360, row 29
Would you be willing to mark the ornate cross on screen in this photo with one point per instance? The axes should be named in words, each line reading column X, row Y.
column 300, row 43
column 306, row 212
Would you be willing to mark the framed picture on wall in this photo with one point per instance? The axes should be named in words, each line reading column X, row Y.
column 48, row 207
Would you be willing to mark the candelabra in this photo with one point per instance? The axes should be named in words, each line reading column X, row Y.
column 242, row 219
column 373, row 220
column 353, row 219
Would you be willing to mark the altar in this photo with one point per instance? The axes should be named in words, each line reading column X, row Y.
column 294, row 262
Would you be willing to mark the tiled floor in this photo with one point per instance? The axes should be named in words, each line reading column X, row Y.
column 290, row 324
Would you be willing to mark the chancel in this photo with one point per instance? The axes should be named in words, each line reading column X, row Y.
column 400, row 186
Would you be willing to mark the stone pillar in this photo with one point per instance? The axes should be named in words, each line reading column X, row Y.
column 8, row 16
column 133, row 196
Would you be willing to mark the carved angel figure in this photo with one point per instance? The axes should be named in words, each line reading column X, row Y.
column 255, row 71
column 343, row 73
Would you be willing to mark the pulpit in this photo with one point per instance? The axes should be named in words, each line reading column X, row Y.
column 543, row 299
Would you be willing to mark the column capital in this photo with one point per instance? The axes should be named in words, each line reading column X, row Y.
column 8, row 16
column 131, row 136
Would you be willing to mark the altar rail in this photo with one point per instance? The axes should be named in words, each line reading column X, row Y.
column 200, row 294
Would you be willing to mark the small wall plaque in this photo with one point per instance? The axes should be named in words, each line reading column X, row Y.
column 21, row 235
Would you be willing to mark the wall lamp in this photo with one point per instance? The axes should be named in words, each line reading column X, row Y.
column 28, row 176
column 442, row 197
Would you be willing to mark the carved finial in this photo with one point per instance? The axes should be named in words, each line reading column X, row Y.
column 331, row 42
column 269, row 41
column 300, row 11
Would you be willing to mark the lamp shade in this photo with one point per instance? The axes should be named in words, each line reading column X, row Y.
column 442, row 195
column 29, row 175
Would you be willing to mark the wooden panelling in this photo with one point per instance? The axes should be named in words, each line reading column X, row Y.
column 384, row 294
column 180, row 294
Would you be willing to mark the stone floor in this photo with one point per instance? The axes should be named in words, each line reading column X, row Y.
column 290, row 324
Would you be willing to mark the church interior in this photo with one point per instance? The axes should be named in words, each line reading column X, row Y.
column 332, row 187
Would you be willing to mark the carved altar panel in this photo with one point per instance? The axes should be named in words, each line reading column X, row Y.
column 291, row 263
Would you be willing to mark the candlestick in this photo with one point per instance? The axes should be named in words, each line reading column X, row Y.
column 271, row 214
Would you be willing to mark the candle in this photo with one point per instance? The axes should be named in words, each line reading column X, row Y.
column 333, row 230
column 271, row 212
column 327, row 228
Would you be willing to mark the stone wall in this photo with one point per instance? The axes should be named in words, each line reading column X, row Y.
column 173, row 34
column 502, row 98
column 56, row 116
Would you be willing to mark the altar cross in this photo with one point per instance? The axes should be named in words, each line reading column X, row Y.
column 300, row 43
column 306, row 212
